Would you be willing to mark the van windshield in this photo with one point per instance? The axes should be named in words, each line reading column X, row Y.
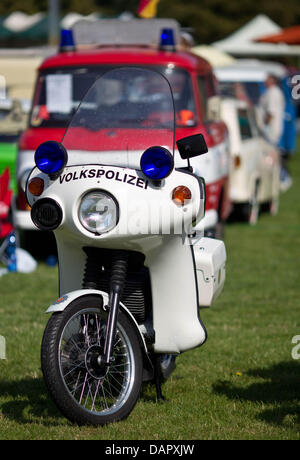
column 117, row 114
column 58, row 93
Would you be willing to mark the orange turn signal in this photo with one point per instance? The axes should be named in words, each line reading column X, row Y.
column 36, row 186
column 237, row 161
column 180, row 194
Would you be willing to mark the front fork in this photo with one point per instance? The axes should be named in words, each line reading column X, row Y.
column 119, row 263
column 117, row 281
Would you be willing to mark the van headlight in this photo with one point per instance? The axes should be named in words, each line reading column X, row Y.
column 98, row 212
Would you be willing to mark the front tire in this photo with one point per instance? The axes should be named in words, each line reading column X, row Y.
column 71, row 363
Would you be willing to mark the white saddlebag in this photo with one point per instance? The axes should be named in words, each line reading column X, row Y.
column 210, row 259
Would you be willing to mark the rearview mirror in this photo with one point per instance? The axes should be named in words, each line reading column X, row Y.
column 192, row 146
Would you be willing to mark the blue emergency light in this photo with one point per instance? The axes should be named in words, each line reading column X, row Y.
column 66, row 41
column 167, row 40
column 51, row 157
column 157, row 163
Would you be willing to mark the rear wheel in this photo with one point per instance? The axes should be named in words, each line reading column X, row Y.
column 84, row 389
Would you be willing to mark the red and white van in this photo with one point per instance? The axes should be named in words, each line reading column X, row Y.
column 64, row 78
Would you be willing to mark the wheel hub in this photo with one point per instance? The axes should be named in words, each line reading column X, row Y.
column 94, row 362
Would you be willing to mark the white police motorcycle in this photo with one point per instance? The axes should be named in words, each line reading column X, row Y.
column 134, row 268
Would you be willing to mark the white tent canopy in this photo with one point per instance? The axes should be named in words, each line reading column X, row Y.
column 270, row 67
column 18, row 21
column 242, row 42
column 213, row 55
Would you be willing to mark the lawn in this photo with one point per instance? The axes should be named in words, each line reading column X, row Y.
column 242, row 384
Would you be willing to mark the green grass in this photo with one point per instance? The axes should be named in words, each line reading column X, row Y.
column 242, row 384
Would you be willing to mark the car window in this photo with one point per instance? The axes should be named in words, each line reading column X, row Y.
column 184, row 101
column 247, row 91
column 244, row 124
column 203, row 96
column 254, row 90
column 207, row 89
column 58, row 93
column 254, row 122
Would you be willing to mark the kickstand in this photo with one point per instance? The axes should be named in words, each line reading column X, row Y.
column 157, row 380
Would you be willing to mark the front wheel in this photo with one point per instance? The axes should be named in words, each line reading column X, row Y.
column 85, row 391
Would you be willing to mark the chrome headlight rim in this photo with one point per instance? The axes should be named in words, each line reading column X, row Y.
column 98, row 192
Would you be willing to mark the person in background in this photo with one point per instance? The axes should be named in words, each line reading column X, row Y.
column 288, row 140
column 272, row 105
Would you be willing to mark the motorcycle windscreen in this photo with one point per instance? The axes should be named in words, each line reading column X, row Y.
column 126, row 111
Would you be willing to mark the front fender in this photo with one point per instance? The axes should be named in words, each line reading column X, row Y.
column 62, row 302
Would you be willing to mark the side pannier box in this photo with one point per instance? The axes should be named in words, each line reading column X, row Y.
column 210, row 260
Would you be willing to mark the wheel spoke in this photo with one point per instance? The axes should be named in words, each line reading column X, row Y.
column 81, row 344
column 81, row 366
column 85, row 329
column 95, row 395
column 83, row 387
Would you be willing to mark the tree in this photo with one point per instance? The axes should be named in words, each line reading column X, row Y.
column 210, row 20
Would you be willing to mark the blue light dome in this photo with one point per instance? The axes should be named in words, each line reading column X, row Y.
column 66, row 40
column 167, row 40
column 157, row 163
column 51, row 157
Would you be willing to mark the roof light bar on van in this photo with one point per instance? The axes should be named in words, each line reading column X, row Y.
column 132, row 32
column 66, row 41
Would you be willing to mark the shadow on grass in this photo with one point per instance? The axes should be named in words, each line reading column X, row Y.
column 29, row 403
column 279, row 385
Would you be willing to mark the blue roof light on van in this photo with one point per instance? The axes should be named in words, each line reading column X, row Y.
column 167, row 40
column 67, row 42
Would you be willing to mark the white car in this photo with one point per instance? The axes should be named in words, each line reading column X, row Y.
column 249, row 73
column 255, row 163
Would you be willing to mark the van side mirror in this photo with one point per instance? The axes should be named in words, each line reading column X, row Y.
column 192, row 146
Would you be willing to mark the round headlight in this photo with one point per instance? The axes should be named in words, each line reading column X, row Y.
column 98, row 212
